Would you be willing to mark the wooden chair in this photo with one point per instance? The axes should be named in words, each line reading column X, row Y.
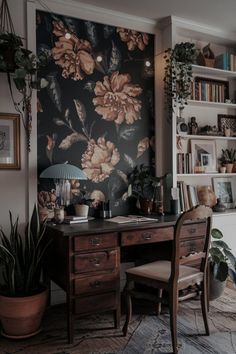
column 177, row 274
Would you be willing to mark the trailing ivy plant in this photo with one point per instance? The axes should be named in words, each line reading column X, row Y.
column 178, row 74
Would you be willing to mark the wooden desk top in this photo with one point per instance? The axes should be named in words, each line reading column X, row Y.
column 100, row 226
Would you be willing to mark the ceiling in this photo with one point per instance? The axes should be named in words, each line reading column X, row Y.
column 214, row 13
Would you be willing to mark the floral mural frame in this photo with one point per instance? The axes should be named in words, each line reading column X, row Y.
column 9, row 141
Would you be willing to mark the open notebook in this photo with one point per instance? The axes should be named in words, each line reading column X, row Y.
column 130, row 218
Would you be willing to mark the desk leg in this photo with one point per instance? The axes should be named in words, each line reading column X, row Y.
column 70, row 319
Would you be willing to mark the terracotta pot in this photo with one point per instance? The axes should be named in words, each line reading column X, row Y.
column 229, row 167
column 81, row 209
column 21, row 316
column 146, row 205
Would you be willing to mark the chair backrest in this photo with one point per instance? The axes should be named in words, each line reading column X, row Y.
column 200, row 213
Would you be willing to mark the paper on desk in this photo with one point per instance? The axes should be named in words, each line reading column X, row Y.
column 130, row 218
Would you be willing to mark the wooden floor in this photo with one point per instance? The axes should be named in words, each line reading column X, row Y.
column 148, row 334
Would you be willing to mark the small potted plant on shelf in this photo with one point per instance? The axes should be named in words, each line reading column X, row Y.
column 82, row 202
column 222, row 264
column 228, row 159
column 23, row 297
column 178, row 74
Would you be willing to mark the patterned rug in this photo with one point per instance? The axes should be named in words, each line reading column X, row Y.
column 148, row 334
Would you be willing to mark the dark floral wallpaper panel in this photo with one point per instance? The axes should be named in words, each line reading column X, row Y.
column 96, row 110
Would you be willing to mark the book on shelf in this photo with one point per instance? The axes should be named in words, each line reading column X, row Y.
column 188, row 196
column 209, row 90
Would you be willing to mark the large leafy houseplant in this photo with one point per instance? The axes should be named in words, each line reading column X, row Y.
column 21, row 257
column 178, row 74
column 222, row 260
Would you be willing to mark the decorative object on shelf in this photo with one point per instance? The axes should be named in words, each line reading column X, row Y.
column 222, row 169
column 182, row 127
column 227, row 121
column 9, row 141
column 224, row 189
column 228, row 159
column 193, row 126
column 209, row 130
column 21, row 67
column 178, row 74
column 206, row 57
column 62, row 173
column 206, row 196
column 222, row 264
column 204, row 155
column 219, row 207
column 23, row 297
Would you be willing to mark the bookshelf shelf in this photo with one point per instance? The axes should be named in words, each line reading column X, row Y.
column 205, row 70
column 206, row 137
column 201, row 175
column 212, row 104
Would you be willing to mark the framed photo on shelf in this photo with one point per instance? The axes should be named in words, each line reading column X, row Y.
column 225, row 190
column 226, row 121
column 203, row 156
column 9, row 141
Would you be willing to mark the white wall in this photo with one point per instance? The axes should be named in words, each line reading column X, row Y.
column 13, row 187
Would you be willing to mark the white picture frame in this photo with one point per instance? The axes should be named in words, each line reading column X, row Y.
column 203, row 156
column 225, row 190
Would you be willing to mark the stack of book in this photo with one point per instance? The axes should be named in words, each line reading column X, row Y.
column 72, row 219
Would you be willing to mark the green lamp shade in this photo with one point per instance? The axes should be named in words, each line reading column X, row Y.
column 63, row 171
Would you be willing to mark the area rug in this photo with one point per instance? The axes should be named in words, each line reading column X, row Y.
column 148, row 334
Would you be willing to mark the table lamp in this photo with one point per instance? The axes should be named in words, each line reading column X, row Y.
column 62, row 173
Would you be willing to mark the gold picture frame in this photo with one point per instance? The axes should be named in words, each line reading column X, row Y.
column 9, row 141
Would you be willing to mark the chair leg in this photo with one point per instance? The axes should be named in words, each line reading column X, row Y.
column 173, row 318
column 128, row 302
column 159, row 294
column 204, row 305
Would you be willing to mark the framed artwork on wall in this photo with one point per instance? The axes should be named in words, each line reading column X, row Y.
column 224, row 189
column 9, row 141
column 203, row 156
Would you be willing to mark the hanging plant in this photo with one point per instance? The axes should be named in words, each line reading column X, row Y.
column 178, row 74
column 21, row 67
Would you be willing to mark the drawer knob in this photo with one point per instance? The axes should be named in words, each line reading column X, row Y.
column 192, row 231
column 95, row 284
column 95, row 241
column 95, row 262
column 147, row 236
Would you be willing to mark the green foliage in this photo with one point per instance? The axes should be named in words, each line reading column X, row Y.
column 21, row 257
column 228, row 156
column 143, row 182
column 82, row 198
column 222, row 260
column 178, row 73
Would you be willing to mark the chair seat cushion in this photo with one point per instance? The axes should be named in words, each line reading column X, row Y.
column 161, row 270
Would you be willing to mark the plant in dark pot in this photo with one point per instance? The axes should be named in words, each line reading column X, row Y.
column 228, row 158
column 144, row 186
column 23, row 297
column 222, row 264
column 178, row 74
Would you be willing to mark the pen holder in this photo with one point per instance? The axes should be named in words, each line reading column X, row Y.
column 174, row 206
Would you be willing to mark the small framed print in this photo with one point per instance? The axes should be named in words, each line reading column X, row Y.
column 203, row 156
column 9, row 141
column 224, row 189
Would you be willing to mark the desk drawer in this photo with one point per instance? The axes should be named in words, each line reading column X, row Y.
column 93, row 242
column 96, row 261
column 129, row 238
column 99, row 302
column 192, row 230
column 97, row 283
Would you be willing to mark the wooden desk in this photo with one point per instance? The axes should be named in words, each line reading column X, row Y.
column 84, row 260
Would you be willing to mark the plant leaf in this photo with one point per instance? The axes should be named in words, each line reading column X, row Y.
column 220, row 244
column 221, row 271
column 80, row 109
column 71, row 139
column 129, row 161
column 54, row 91
column 128, row 132
column 231, row 258
column 216, row 233
column 58, row 121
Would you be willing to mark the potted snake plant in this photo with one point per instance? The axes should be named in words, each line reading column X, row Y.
column 23, row 297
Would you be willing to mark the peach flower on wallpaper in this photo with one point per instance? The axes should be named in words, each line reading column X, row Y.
column 98, row 197
column 72, row 54
column 116, row 99
column 99, row 160
column 133, row 38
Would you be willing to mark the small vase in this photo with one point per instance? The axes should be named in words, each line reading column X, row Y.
column 219, row 207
